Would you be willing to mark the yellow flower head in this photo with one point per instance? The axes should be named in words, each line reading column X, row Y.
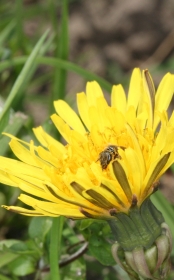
column 113, row 159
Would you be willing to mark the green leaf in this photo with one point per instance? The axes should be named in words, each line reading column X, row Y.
column 85, row 223
column 39, row 227
column 22, row 266
column 18, row 247
column 101, row 250
column 23, row 76
column 6, row 258
column 35, row 249
column 75, row 270
column 95, row 228
column 98, row 234
column 7, row 243
column 2, row 277
column 22, row 248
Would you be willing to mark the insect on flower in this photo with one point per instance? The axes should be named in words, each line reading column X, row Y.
column 109, row 154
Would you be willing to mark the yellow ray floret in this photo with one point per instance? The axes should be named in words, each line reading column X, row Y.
column 113, row 158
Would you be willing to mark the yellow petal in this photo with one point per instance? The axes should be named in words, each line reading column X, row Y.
column 135, row 89
column 153, row 172
column 138, row 150
column 16, row 167
column 46, row 140
column 93, row 91
column 118, row 98
column 47, row 156
column 23, row 153
column 4, row 179
column 133, row 164
column 51, row 209
column 82, row 105
column 23, row 211
column 62, row 127
column 69, row 116
column 163, row 96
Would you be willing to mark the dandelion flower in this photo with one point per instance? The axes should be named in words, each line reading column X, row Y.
column 111, row 164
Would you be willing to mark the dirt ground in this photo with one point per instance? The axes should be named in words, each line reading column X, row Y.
column 114, row 36
column 127, row 33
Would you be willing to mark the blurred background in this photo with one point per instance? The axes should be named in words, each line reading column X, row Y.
column 106, row 38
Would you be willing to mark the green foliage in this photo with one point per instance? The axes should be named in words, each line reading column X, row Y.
column 100, row 240
column 39, row 227
column 75, row 270
column 166, row 209
column 23, row 76
column 100, row 249
column 18, row 257
column 22, row 266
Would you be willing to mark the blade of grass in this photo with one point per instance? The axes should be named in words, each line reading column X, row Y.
column 89, row 76
column 6, row 32
column 4, row 121
column 19, row 11
column 62, row 50
column 23, row 75
column 45, row 46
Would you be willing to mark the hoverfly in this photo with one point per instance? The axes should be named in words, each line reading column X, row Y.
column 109, row 154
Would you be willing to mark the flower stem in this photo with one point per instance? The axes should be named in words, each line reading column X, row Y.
column 55, row 246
